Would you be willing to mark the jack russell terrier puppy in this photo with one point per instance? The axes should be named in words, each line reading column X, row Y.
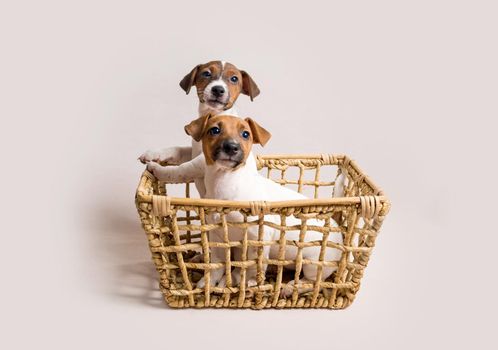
column 218, row 85
column 226, row 145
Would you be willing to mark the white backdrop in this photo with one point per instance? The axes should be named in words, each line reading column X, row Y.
column 408, row 89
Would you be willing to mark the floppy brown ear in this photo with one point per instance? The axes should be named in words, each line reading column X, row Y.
column 196, row 127
column 189, row 80
column 259, row 134
column 249, row 87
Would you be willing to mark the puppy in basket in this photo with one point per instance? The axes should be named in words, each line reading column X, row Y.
column 226, row 144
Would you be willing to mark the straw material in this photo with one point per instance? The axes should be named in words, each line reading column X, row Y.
column 178, row 235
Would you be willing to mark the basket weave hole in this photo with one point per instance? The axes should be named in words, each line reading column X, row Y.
column 181, row 190
column 328, row 174
column 288, row 177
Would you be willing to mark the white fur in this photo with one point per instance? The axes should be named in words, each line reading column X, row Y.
column 207, row 94
column 205, row 108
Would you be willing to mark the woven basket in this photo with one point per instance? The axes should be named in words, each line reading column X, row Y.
column 177, row 232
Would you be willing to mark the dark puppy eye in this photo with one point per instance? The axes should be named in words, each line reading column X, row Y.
column 245, row 134
column 234, row 79
column 206, row 74
column 214, row 130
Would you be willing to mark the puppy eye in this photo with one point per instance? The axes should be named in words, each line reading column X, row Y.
column 245, row 134
column 214, row 130
column 234, row 79
column 206, row 74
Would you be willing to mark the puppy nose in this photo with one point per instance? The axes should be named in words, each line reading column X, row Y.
column 231, row 148
column 218, row 90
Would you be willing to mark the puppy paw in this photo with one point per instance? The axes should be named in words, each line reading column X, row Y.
column 287, row 290
column 235, row 280
column 222, row 282
column 149, row 156
column 236, row 277
column 157, row 170
column 167, row 155
column 153, row 168
column 251, row 282
column 214, row 279
column 197, row 258
column 202, row 283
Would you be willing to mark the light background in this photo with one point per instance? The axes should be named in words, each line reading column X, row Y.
column 408, row 89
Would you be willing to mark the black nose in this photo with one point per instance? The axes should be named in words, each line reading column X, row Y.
column 231, row 148
column 218, row 90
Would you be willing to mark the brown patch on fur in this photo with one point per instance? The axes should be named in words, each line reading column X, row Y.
column 189, row 80
column 196, row 127
column 259, row 134
column 234, row 88
column 231, row 128
column 249, row 87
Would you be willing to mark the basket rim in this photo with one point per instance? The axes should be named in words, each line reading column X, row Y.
column 329, row 159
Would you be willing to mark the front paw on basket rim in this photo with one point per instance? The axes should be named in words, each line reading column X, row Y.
column 154, row 168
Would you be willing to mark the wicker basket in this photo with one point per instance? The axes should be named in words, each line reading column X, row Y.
column 177, row 232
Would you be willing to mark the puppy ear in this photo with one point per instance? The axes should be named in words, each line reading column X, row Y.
column 196, row 127
column 189, row 79
column 259, row 134
column 249, row 87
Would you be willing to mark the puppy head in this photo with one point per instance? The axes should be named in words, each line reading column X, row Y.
column 227, row 140
column 219, row 84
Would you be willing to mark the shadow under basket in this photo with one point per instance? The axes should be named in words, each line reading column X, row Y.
column 178, row 231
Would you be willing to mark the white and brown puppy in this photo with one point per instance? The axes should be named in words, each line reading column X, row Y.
column 226, row 143
column 218, row 85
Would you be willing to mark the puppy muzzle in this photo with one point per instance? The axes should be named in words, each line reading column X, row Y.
column 229, row 154
column 217, row 97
